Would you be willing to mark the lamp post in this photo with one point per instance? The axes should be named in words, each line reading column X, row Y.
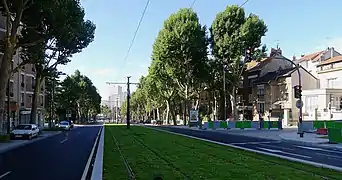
column 225, row 69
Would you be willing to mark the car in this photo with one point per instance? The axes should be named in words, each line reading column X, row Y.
column 64, row 125
column 25, row 131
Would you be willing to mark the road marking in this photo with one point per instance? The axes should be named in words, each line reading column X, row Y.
column 328, row 155
column 319, row 149
column 251, row 143
column 5, row 174
column 86, row 169
column 279, row 151
column 285, row 148
column 64, row 141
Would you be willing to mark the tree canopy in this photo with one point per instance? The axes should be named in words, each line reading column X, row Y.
column 78, row 94
column 186, row 71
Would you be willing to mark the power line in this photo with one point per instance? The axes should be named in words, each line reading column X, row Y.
column 193, row 3
column 135, row 34
column 244, row 3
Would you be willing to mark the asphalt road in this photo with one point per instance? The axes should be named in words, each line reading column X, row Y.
column 60, row 157
column 320, row 155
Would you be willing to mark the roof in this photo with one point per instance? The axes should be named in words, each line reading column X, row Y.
column 331, row 60
column 274, row 75
column 312, row 57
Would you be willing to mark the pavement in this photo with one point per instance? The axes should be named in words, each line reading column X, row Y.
column 306, row 152
column 18, row 143
column 62, row 156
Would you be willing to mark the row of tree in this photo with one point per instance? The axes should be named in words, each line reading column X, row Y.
column 78, row 95
column 188, row 64
column 43, row 33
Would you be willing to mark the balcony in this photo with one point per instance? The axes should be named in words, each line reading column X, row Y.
column 261, row 97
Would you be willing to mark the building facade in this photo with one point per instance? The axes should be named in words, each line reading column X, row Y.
column 21, row 88
column 325, row 102
column 267, row 91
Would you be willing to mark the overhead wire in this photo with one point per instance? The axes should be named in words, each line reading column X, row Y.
column 135, row 35
column 246, row 1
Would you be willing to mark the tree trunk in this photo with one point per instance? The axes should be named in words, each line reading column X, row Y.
column 35, row 99
column 167, row 111
column 158, row 114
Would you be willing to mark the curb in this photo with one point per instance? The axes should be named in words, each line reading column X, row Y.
column 98, row 164
column 27, row 143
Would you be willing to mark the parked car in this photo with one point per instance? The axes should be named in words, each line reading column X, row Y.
column 65, row 125
column 25, row 131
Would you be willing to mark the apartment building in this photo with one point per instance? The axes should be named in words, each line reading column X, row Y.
column 325, row 102
column 267, row 90
column 21, row 89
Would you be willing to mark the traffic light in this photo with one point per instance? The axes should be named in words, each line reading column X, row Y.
column 298, row 91
column 249, row 54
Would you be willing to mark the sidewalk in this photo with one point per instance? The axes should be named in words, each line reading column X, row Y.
column 4, row 147
column 287, row 134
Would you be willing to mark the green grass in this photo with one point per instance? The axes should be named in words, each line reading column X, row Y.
column 151, row 152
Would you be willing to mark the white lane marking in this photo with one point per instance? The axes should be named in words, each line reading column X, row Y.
column 251, row 143
column 271, row 150
column 5, row 174
column 331, row 156
column 86, row 169
column 319, row 149
column 279, row 147
column 64, row 141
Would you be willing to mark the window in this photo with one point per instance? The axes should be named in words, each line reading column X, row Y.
column 340, row 103
column 32, row 81
column 251, row 82
column 331, row 83
column 310, row 103
column 22, row 78
column 250, row 98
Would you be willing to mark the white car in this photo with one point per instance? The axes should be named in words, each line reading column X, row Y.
column 26, row 131
column 65, row 125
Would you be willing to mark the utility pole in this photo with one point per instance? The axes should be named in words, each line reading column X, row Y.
column 117, row 110
column 128, row 99
column 128, row 104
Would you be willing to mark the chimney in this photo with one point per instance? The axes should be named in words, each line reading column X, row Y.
column 332, row 52
column 294, row 58
column 302, row 55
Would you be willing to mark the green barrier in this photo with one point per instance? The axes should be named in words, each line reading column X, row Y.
column 330, row 124
column 243, row 124
column 319, row 124
column 223, row 124
column 335, row 135
column 210, row 125
column 274, row 124
column 247, row 124
column 238, row 124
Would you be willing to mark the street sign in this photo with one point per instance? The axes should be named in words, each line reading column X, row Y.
column 193, row 116
column 299, row 103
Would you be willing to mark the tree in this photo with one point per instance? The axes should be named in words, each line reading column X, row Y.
column 231, row 34
column 67, row 35
column 15, row 13
column 180, row 51
column 78, row 93
column 106, row 111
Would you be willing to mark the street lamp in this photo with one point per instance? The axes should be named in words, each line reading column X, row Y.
column 225, row 69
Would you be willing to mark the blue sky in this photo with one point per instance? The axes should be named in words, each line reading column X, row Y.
column 298, row 26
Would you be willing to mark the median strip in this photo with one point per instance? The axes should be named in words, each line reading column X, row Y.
column 154, row 153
